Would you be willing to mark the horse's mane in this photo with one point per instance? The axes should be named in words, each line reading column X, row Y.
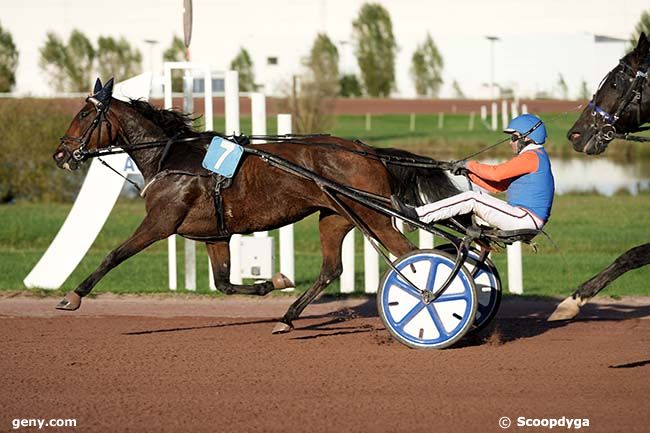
column 172, row 122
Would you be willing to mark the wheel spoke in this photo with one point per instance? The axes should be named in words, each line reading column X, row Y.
column 436, row 320
column 454, row 297
column 431, row 279
column 410, row 315
column 407, row 288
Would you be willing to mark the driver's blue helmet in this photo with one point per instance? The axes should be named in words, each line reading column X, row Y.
column 529, row 125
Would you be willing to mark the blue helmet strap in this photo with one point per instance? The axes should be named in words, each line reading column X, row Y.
column 523, row 140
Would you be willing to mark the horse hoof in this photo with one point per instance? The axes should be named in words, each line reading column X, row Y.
column 281, row 281
column 70, row 302
column 567, row 310
column 281, row 328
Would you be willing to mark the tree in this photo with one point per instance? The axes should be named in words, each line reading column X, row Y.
column 116, row 58
column 426, row 68
column 584, row 91
column 323, row 62
column 562, row 87
column 643, row 26
column 458, row 92
column 375, row 49
column 312, row 95
column 350, row 86
column 176, row 53
column 243, row 64
column 70, row 65
column 8, row 61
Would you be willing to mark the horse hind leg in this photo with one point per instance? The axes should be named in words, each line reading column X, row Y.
column 219, row 253
column 333, row 229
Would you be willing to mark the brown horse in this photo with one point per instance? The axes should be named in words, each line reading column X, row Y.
column 179, row 195
column 620, row 106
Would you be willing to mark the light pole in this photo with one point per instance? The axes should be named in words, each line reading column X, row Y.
column 152, row 43
column 492, row 40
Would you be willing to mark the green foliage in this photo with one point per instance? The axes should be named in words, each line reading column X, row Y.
column 350, row 86
column 176, row 53
column 375, row 49
column 562, row 87
column 8, row 61
column 458, row 92
column 116, row 58
column 243, row 64
column 643, row 26
column 69, row 66
column 426, row 68
column 323, row 62
column 584, row 91
column 30, row 133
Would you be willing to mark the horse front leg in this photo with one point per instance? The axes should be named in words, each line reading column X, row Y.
column 631, row 259
column 149, row 231
column 332, row 228
column 219, row 253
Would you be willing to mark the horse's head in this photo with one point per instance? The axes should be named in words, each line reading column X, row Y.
column 90, row 129
column 617, row 107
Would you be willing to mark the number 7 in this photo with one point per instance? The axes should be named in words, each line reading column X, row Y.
column 229, row 147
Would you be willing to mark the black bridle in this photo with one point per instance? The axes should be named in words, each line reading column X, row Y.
column 606, row 131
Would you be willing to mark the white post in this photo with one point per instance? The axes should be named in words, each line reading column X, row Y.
column 483, row 113
column 471, row 121
column 370, row 267
column 368, row 122
column 190, row 246
column 347, row 252
column 494, row 116
column 504, row 114
column 171, row 241
column 400, row 226
column 425, row 239
column 412, row 122
column 514, row 109
column 286, row 232
column 524, row 109
column 515, row 272
column 209, row 126
column 258, row 126
column 231, row 99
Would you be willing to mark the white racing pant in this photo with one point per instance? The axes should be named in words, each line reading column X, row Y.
column 497, row 213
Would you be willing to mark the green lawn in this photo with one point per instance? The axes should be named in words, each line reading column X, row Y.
column 590, row 231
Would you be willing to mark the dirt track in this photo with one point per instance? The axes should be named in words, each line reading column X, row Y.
column 210, row 365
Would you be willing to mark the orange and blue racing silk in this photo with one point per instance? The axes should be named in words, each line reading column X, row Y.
column 527, row 179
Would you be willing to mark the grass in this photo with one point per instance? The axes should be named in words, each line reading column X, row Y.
column 590, row 231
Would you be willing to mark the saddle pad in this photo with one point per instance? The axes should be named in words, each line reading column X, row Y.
column 223, row 157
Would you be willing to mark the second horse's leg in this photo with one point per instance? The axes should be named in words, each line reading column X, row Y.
column 631, row 259
column 219, row 253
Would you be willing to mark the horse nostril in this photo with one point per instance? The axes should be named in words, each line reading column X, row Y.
column 59, row 155
column 575, row 136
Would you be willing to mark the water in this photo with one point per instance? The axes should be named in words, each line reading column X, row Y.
column 600, row 175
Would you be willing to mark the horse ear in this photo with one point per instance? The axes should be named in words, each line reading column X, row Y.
column 98, row 86
column 643, row 43
column 109, row 86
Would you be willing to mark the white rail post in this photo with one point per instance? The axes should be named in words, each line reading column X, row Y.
column 370, row 267
column 425, row 239
column 484, row 113
column 347, row 254
column 258, row 126
column 504, row 114
column 231, row 87
column 171, row 241
column 524, row 109
column 287, row 265
column 515, row 271
column 514, row 109
column 494, row 117
column 189, row 244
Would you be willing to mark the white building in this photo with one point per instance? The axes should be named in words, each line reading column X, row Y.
column 538, row 41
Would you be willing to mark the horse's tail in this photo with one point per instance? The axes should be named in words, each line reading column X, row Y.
column 417, row 186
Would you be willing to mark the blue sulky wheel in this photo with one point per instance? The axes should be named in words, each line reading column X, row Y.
column 488, row 286
column 414, row 321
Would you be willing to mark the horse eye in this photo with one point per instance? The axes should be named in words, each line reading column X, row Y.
column 83, row 114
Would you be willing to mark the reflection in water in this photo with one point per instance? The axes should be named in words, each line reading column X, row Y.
column 599, row 175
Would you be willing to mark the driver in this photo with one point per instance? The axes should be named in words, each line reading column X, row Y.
column 527, row 179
